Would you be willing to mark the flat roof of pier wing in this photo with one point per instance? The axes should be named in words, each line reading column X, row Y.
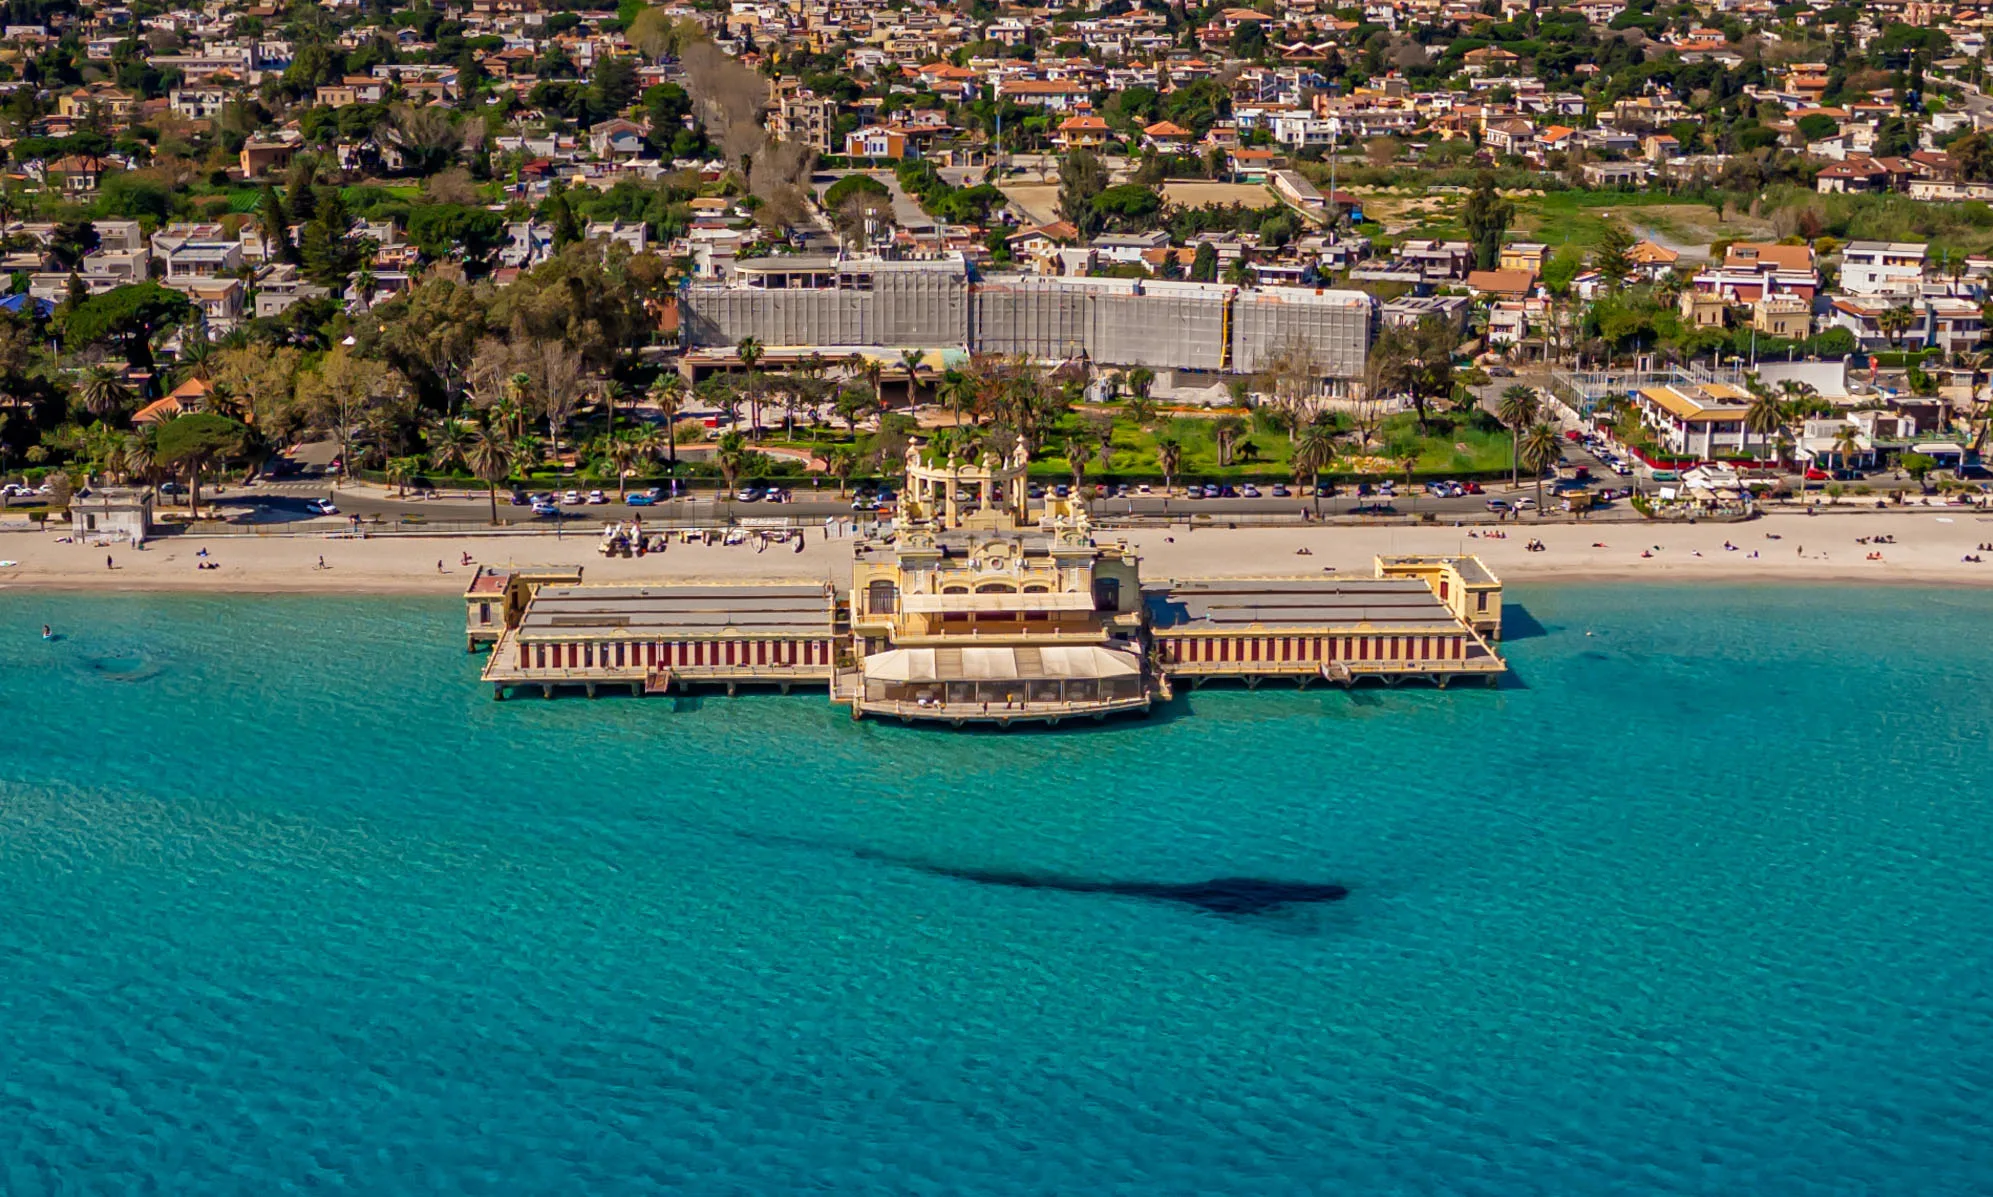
column 1395, row 604
column 1469, row 567
column 563, row 612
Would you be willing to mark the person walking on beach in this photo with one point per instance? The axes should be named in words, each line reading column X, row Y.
column 108, row 563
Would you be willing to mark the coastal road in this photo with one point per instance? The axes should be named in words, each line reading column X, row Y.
column 289, row 502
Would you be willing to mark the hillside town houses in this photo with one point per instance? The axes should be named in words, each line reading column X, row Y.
column 168, row 128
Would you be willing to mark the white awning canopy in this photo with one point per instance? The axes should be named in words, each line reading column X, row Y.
column 998, row 664
column 934, row 604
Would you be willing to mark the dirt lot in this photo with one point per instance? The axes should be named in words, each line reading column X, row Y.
column 1038, row 201
column 1217, row 195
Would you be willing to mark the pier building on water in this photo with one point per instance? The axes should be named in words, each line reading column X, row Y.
column 982, row 608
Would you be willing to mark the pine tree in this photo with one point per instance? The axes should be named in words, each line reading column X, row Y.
column 566, row 230
column 276, row 225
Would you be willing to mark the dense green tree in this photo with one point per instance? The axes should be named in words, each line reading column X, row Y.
column 129, row 315
column 1081, row 178
column 70, row 242
column 1486, row 217
column 447, row 232
column 1204, row 265
column 196, row 442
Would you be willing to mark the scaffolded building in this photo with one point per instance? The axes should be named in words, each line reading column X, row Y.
column 795, row 302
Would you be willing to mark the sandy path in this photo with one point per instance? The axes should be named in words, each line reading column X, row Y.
column 1930, row 545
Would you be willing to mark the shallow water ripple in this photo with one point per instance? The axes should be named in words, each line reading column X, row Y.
column 1700, row 904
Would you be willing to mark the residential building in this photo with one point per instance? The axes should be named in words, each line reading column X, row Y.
column 1704, row 422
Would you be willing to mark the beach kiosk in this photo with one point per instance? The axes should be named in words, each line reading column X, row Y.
column 112, row 512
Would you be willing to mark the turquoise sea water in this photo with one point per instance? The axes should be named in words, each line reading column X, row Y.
column 1702, row 903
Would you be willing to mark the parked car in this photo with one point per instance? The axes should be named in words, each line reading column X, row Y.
column 596, row 498
column 749, row 494
column 640, row 499
column 1498, row 506
column 1249, row 491
column 1374, row 509
column 519, row 499
column 1472, row 488
column 1228, row 491
column 1815, row 474
column 571, row 498
column 1280, row 490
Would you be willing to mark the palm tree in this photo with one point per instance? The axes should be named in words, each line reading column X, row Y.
column 490, row 460
column 1894, row 322
column 140, row 459
column 842, row 463
column 1078, row 450
column 957, row 389
column 1103, row 435
column 1540, row 449
column 449, row 444
column 910, row 361
column 669, row 395
column 751, row 353
column 1313, row 453
column 1226, row 431
column 1847, row 443
column 873, row 371
column 197, row 353
column 102, row 394
column 513, row 404
column 726, row 397
column 1764, row 417
column 652, row 443
column 528, row 451
column 1517, row 409
column 401, row 471
column 1141, row 380
column 623, row 452
column 1169, row 456
column 730, row 454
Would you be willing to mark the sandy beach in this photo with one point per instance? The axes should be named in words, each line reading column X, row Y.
column 1930, row 543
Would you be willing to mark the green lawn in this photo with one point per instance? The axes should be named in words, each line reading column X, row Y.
column 1467, row 449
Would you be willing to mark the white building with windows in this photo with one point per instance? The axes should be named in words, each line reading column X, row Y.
column 1882, row 267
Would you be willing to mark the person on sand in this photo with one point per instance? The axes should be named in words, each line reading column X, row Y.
column 439, row 565
column 321, row 562
column 108, row 563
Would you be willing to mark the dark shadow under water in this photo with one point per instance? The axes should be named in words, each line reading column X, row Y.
column 1219, row 895
column 1232, row 896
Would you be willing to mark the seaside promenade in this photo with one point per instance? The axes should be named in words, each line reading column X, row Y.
column 1928, row 547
